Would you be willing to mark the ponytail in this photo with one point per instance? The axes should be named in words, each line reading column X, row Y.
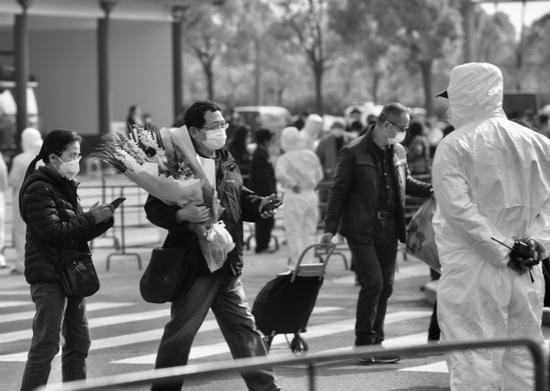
column 32, row 165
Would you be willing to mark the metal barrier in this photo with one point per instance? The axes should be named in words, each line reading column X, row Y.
column 310, row 360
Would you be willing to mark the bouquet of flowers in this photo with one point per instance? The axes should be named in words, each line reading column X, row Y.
column 164, row 163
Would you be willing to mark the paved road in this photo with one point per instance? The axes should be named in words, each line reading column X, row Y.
column 125, row 330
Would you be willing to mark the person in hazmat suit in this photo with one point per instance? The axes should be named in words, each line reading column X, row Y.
column 491, row 180
column 31, row 142
column 299, row 171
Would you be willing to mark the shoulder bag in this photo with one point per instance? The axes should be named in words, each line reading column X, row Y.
column 167, row 275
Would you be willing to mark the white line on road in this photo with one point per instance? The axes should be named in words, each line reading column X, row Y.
column 6, row 304
column 94, row 322
column 320, row 330
column 30, row 314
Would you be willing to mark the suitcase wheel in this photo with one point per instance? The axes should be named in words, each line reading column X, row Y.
column 298, row 345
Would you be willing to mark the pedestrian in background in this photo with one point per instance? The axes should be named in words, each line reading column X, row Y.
column 367, row 202
column 31, row 142
column 56, row 228
column 134, row 117
column 491, row 178
column 263, row 183
column 543, row 126
column 312, row 131
column 418, row 149
column 327, row 151
column 3, row 188
column 221, row 291
column 238, row 148
column 299, row 171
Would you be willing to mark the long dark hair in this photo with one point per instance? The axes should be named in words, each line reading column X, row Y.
column 55, row 143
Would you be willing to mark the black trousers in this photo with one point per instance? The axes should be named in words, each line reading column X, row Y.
column 374, row 264
column 263, row 228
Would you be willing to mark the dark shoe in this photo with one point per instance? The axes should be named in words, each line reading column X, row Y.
column 15, row 272
column 383, row 359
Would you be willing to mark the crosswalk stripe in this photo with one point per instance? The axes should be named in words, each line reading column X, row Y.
column 436, row 367
column 94, row 322
column 15, row 292
column 111, row 342
column 312, row 332
column 12, row 317
column 6, row 304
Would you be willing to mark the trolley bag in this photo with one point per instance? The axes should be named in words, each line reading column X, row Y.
column 285, row 303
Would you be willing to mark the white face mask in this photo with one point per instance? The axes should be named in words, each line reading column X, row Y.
column 69, row 169
column 215, row 139
column 399, row 137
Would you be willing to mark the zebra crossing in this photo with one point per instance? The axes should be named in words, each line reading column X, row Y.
column 109, row 319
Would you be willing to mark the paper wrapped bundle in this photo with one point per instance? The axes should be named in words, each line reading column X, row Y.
column 215, row 241
column 421, row 236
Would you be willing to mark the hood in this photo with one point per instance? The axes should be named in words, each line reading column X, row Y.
column 31, row 141
column 292, row 139
column 313, row 126
column 475, row 92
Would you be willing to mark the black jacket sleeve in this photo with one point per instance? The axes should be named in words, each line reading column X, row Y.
column 160, row 214
column 339, row 190
column 417, row 188
column 40, row 212
column 250, row 202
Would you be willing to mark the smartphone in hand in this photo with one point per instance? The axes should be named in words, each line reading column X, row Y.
column 274, row 203
column 117, row 201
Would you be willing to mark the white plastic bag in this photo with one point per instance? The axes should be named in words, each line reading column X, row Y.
column 215, row 245
column 421, row 236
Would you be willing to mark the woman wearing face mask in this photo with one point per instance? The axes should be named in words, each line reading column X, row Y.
column 56, row 226
column 368, row 199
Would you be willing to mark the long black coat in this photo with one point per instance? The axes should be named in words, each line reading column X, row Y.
column 239, row 202
column 56, row 223
column 262, row 173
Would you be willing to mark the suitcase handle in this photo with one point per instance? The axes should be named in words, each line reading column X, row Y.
column 323, row 252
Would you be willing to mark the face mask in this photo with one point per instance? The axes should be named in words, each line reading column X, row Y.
column 69, row 169
column 399, row 137
column 215, row 139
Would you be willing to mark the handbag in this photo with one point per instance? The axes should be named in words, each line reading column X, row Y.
column 167, row 275
column 78, row 275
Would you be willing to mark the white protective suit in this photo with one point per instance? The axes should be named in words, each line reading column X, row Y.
column 491, row 178
column 31, row 142
column 298, row 166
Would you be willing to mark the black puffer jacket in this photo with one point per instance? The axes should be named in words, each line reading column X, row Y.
column 239, row 202
column 56, row 224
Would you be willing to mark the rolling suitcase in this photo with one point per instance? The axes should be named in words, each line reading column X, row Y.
column 284, row 304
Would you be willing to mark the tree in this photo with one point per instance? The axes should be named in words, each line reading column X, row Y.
column 537, row 53
column 354, row 21
column 304, row 24
column 206, row 34
column 426, row 29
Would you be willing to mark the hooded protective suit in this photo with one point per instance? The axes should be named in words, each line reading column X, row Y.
column 491, row 178
column 298, row 166
column 31, row 142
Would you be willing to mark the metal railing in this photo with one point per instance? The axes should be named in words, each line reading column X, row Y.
column 310, row 361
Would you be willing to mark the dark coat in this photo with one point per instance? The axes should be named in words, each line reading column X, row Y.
column 239, row 202
column 262, row 173
column 353, row 201
column 56, row 224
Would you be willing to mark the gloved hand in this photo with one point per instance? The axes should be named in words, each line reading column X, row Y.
column 525, row 254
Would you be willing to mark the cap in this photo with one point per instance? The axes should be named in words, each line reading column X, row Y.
column 443, row 94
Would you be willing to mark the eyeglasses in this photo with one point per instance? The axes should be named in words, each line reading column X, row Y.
column 223, row 126
column 401, row 128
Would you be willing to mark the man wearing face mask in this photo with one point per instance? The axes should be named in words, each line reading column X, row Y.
column 220, row 291
column 366, row 204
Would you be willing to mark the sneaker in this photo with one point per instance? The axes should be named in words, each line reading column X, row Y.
column 382, row 359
